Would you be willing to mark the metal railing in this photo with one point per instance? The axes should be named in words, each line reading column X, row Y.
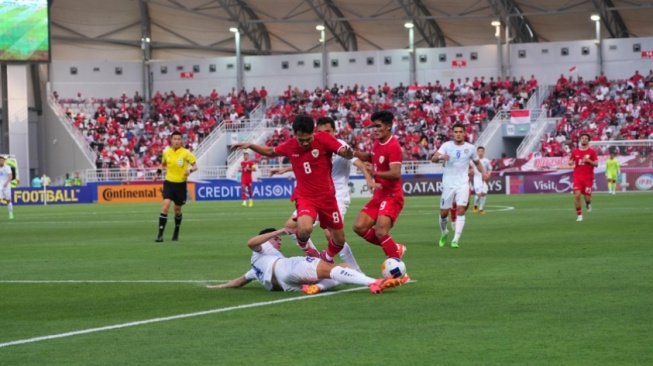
column 537, row 130
column 77, row 135
column 220, row 172
column 222, row 128
column 492, row 127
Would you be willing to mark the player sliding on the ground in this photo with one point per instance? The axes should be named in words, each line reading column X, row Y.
column 311, row 275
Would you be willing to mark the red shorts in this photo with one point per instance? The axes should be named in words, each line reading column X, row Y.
column 584, row 185
column 327, row 211
column 390, row 206
column 246, row 182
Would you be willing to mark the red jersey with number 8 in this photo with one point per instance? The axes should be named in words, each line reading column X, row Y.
column 312, row 166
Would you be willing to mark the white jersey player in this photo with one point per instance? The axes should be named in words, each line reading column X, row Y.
column 457, row 155
column 6, row 176
column 311, row 275
column 340, row 171
column 480, row 184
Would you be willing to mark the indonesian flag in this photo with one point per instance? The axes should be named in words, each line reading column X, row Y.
column 520, row 116
column 572, row 69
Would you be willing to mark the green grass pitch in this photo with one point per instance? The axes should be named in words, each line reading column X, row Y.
column 528, row 286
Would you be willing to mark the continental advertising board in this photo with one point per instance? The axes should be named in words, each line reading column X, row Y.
column 53, row 195
column 135, row 193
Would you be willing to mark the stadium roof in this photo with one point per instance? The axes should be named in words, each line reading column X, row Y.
column 114, row 29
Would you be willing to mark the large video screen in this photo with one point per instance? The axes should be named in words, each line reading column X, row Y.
column 24, row 30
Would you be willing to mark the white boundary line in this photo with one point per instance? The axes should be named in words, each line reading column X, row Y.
column 174, row 317
column 111, row 281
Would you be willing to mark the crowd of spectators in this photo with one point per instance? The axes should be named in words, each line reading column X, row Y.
column 424, row 114
column 126, row 132
column 605, row 109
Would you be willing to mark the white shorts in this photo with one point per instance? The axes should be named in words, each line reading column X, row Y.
column 480, row 186
column 342, row 206
column 460, row 194
column 5, row 192
column 291, row 273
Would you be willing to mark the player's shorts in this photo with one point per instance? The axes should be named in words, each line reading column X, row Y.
column 379, row 205
column 460, row 194
column 291, row 273
column 327, row 211
column 176, row 192
column 611, row 176
column 343, row 206
column 584, row 185
column 480, row 187
column 246, row 181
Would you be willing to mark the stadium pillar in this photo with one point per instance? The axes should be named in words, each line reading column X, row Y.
column 325, row 74
column 411, row 51
column 599, row 43
column 508, row 55
column 16, row 120
column 497, row 34
column 239, row 60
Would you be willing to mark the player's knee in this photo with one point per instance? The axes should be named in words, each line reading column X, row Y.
column 359, row 228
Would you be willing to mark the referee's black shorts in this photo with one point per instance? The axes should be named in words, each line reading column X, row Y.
column 176, row 192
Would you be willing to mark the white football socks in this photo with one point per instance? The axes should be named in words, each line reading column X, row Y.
column 350, row 276
column 460, row 224
column 481, row 204
column 348, row 257
column 443, row 224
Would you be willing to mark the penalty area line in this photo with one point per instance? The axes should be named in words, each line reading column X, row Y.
column 173, row 317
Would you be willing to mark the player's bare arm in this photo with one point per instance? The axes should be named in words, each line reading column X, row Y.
column 255, row 243
column 235, row 283
column 393, row 174
column 480, row 168
column 346, row 152
column 364, row 156
column 437, row 157
column 368, row 176
column 280, row 170
column 263, row 150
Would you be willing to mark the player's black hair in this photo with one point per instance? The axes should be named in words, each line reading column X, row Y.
column 480, row 147
column 586, row 134
column 326, row 121
column 303, row 123
column 457, row 124
column 268, row 230
column 176, row 133
column 385, row 117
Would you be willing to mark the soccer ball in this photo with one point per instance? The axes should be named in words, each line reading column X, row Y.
column 393, row 268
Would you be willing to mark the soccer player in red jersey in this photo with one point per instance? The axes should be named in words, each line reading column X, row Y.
column 246, row 168
column 583, row 159
column 315, row 195
column 379, row 215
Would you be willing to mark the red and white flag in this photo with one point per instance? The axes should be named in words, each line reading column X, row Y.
column 572, row 69
column 520, row 116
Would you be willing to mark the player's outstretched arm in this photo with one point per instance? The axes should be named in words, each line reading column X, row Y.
column 368, row 175
column 280, row 170
column 346, row 152
column 364, row 156
column 263, row 150
column 235, row 283
column 255, row 243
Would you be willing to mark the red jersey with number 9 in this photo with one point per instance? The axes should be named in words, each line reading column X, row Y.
column 384, row 154
column 312, row 166
column 583, row 170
